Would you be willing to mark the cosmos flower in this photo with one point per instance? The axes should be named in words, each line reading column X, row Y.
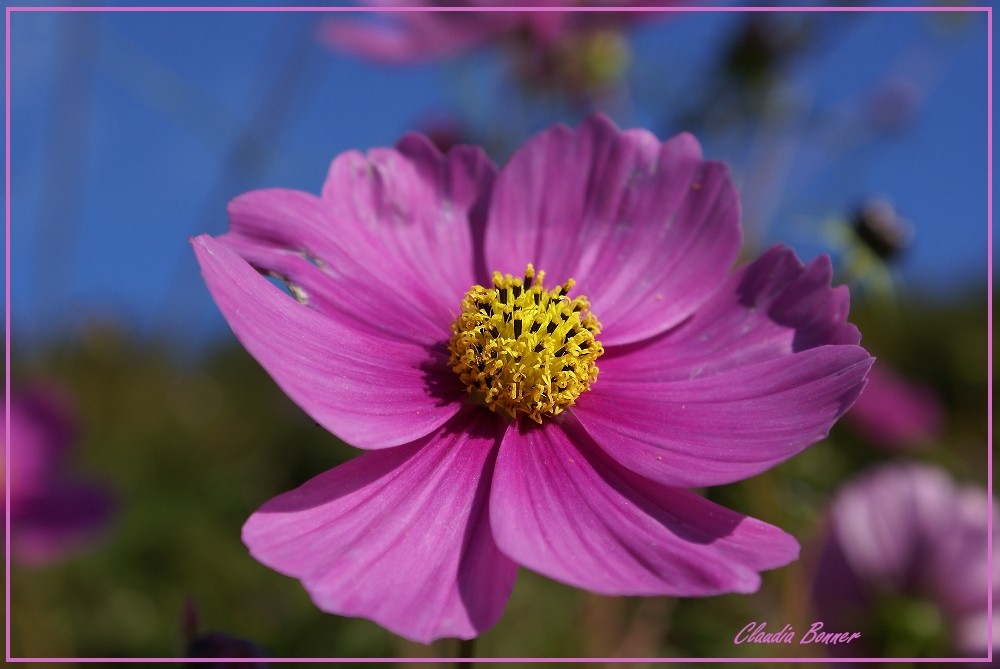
column 52, row 513
column 569, row 49
column 906, row 563
column 539, row 361
column 894, row 412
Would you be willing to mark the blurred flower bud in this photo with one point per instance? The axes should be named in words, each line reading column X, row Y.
column 763, row 45
column 596, row 60
column 216, row 644
column 223, row 646
column 882, row 230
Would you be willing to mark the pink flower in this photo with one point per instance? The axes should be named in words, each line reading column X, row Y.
column 419, row 35
column 574, row 50
column 52, row 513
column 907, row 530
column 706, row 376
column 894, row 412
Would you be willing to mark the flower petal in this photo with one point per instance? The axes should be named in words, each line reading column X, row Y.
column 759, row 372
column 767, row 309
column 561, row 507
column 58, row 520
column 961, row 564
column 896, row 413
column 727, row 427
column 371, row 392
column 417, row 210
column 647, row 230
column 413, row 36
column 390, row 243
column 399, row 536
column 369, row 300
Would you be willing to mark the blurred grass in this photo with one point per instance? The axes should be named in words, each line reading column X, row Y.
column 191, row 447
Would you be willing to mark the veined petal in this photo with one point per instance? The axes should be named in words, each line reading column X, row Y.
column 767, row 309
column 390, row 243
column 561, row 507
column 727, row 427
column 368, row 299
column 418, row 210
column 647, row 229
column 399, row 536
column 761, row 371
column 371, row 392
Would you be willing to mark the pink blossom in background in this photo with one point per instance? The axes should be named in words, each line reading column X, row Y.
column 906, row 530
column 896, row 413
column 573, row 49
column 53, row 512
column 707, row 375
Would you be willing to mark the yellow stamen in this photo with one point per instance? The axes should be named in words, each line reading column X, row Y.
column 521, row 348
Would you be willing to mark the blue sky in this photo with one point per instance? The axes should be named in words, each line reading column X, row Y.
column 129, row 134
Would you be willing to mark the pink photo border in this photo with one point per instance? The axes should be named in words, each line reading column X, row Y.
column 989, row 253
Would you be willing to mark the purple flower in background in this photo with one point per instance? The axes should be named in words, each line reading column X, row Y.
column 505, row 423
column 907, row 558
column 52, row 512
column 894, row 412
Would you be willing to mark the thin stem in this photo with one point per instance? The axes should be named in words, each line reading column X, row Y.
column 466, row 649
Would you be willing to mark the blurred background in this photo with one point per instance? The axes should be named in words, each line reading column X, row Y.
column 143, row 435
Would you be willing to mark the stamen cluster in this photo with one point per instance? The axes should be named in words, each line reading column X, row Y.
column 523, row 349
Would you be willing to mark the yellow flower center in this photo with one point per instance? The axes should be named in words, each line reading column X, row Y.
column 521, row 348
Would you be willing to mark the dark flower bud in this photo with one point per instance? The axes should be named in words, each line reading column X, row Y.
column 217, row 644
column 763, row 46
column 877, row 224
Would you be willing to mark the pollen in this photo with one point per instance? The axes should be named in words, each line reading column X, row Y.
column 522, row 349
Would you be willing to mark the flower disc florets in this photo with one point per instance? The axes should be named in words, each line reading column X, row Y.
column 521, row 348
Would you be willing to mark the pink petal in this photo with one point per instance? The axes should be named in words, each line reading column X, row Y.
column 961, row 565
column 759, row 372
column 418, row 211
column 371, row 392
column 390, row 243
column 61, row 519
column 415, row 36
column 765, row 310
column 367, row 297
column 894, row 412
column 727, row 427
column 882, row 520
column 561, row 507
column 648, row 230
column 42, row 433
column 399, row 536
